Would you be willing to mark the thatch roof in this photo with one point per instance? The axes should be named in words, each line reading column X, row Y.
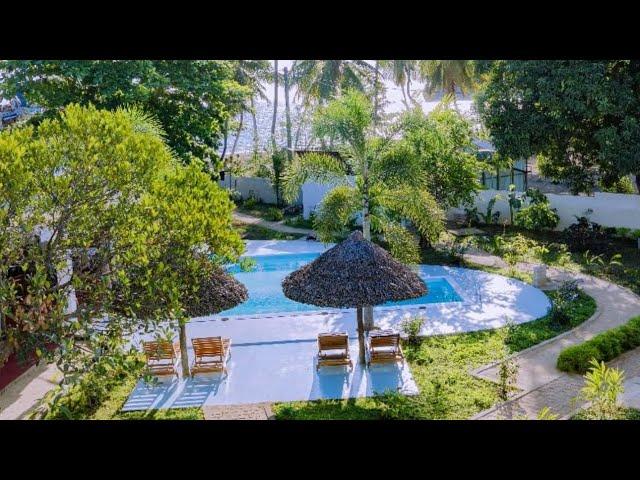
column 220, row 291
column 354, row 273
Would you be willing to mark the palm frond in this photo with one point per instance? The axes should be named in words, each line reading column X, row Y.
column 402, row 244
column 418, row 206
column 336, row 213
column 312, row 167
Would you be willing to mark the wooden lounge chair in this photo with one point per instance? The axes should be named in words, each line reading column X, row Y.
column 384, row 347
column 333, row 349
column 210, row 354
column 161, row 357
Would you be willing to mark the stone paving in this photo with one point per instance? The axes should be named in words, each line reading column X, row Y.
column 255, row 411
column 542, row 384
column 20, row 397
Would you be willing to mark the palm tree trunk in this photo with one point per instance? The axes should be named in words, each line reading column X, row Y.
column 411, row 99
column 375, row 95
column 275, row 105
column 287, row 112
column 235, row 141
column 638, row 182
column 225, row 139
column 366, row 233
column 361, row 328
column 404, row 97
column 255, row 128
column 183, row 349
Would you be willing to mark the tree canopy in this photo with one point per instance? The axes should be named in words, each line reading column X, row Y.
column 581, row 118
column 141, row 231
column 191, row 99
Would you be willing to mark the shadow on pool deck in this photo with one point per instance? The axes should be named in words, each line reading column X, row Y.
column 273, row 372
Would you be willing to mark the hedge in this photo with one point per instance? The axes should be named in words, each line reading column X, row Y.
column 603, row 347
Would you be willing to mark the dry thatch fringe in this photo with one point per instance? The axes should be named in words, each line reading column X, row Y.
column 352, row 274
column 218, row 292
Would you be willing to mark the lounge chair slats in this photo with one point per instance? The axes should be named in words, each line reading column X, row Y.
column 384, row 346
column 210, row 354
column 161, row 357
column 333, row 350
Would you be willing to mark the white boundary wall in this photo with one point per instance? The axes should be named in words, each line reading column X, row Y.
column 609, row 209
column 257, row 187
column 313, row 193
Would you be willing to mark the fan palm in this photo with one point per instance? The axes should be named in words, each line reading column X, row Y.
column 323, row 80
column 446, row 76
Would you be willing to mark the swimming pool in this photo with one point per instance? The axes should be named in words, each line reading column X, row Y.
column 264, row 284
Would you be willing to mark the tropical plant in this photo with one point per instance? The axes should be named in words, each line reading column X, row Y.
column 585, row 235
column 602, row 386
column 323, row 80
column 385, row 191
column 401, row 72
column 507, row 367
column 274, row 214
column 446, row 76
column 561, row 310
column 536, row 214
column 489, row 217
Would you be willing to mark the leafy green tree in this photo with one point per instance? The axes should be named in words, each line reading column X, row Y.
column 581, row 118
column 324, row 80
column 191, row 99
column 441, row 146
column 130, row 230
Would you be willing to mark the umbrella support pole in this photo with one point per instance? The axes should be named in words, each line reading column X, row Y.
column 360, row 334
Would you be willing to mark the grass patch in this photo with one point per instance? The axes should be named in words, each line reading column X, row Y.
column 440, row 366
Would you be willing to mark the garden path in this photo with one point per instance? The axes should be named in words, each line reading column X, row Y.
column 277, row 226
column 542, row 384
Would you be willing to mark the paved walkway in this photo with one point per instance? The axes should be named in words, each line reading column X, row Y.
column 277, row 226
column 542, row 384
column 22, row 395
column 256, row 411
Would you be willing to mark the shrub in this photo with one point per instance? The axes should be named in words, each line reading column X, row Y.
column 622, row 185
column 603, row 347
column 585, row 235
column 602, row 387
column 236, row 196
column 250, row 203
column 568, row 293
column 274, row 214
column 411, row 328
column 537, row 216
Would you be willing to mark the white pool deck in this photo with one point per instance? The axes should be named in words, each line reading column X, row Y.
column 273, row 355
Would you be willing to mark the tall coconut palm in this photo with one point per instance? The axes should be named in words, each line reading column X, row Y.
column 401, row 72
column 276, row 77
column 323, row 80
column 388, row 184
column 446, row 76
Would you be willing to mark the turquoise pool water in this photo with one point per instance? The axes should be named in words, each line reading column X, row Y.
column 265, row 290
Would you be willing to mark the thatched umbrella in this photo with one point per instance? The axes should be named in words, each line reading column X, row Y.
column 353, row 274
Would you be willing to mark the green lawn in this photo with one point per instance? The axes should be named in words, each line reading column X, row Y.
column 440, row 366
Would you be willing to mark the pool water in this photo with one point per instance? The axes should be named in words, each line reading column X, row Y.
column 264, row 284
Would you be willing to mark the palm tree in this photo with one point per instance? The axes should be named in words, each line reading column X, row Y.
column 276, row 76
column 446, row 76
column 401, row 72
column 388, row 183
column 251, row 74
column 323, row 80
